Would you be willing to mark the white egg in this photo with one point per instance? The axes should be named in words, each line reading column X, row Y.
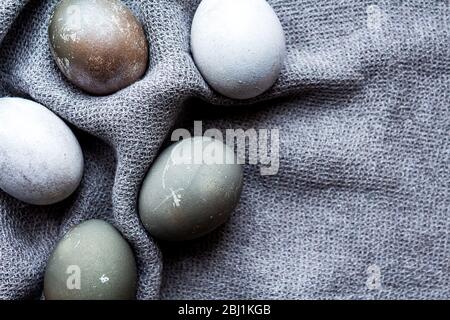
column 238, row 46
column 41, row 161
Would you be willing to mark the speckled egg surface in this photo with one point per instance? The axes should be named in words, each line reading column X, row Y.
column 91, row 262
column 185, row 197
column 99, row 45
column 238, row 46
column 41, row 161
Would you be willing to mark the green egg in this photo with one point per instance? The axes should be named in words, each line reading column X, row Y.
column 92, row 262
column 184, row 197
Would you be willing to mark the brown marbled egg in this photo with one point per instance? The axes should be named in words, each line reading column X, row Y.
column 99, row 45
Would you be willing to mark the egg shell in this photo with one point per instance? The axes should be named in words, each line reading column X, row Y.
column 100, row 45
column 238, row 45
column 41, row 161
column 92, row 262
column 183, row 200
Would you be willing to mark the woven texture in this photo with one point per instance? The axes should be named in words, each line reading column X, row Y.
column 362, row 106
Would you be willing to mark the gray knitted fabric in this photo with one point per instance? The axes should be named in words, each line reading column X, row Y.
column 362, row 106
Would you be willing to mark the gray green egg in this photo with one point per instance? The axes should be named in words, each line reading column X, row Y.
column 92, row 262
column 100, row 46
column 183, row 198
